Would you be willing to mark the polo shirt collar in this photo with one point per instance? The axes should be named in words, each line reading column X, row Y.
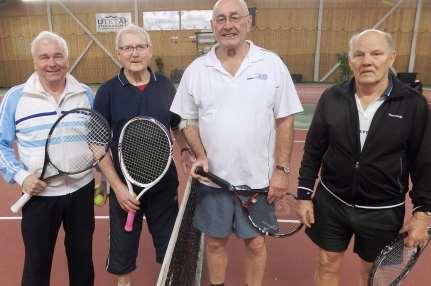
column 124, row 81
column 254, row 54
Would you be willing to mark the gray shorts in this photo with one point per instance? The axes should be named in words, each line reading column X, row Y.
column 218, row 213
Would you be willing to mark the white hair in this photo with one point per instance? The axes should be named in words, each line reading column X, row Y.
column 46, row 35
column 132, row 29
column 355, row 37
column 240, row 2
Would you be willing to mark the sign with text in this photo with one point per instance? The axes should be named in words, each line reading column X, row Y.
column 112, row 22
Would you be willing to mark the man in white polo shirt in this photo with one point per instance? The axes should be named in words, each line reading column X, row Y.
column 237, row 104
column 368, row 136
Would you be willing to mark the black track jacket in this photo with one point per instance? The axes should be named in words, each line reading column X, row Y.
column 398, row 145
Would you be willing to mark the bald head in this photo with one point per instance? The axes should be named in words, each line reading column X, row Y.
column 388, row 39
column 220, row 3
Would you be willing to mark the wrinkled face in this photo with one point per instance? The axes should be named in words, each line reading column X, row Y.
column 134, row 52
column 371, row 59
column 50, row 62
column 231, row 23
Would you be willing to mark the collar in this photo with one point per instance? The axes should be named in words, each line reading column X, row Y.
column 33, row 85
column 124, row 81
column 387, row 92
column 254, row 54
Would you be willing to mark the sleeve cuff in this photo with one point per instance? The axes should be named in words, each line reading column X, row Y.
column 20, row 176
column 304, row 193
column 421, row 208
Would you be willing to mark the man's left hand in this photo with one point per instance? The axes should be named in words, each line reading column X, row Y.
column 278, row 186
column 416, row 228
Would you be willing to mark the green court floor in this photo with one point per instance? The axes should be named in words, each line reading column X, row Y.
column 303, row 119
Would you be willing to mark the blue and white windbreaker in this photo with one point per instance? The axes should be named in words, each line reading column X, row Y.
column 27, row 113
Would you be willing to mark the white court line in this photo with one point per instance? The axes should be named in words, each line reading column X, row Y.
column 19, row 218
column 299, row 141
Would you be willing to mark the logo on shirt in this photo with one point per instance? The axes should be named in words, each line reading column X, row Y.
column 395, row 115
column 262, row 76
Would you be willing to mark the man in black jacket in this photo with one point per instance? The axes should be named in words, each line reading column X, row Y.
column 367, row 137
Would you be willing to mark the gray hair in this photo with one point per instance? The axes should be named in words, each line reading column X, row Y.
column 355, row 37
column 46, row 35
column 240, row 2
column 132, row 29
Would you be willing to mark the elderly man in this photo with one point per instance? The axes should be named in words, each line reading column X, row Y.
column 367, row 136
column 137, row 91
column 237, row 104
column 27, row 113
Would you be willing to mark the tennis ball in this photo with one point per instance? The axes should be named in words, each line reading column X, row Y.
column 99, row 200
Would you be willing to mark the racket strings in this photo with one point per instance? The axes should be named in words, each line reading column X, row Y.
column 78, row 140
column 286, row 210
column 391, row 268
column 146, row 150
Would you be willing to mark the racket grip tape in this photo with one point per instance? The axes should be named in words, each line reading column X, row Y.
column 129, row 222
column 215, row 179
column 17, row 206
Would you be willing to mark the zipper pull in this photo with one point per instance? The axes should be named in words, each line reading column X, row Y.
column 356, row 164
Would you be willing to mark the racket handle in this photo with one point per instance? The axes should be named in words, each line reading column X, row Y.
column 129, row 222
column 216, row 179
column 17, row 206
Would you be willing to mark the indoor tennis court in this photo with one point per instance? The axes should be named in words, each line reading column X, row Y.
column 308, row 35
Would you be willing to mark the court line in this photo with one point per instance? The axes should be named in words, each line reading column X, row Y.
column 100, row 217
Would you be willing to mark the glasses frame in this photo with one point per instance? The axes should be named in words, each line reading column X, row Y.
column 233, row 18
column 132, row 49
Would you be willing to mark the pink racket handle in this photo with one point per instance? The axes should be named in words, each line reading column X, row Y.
column 129, row 222
column 17, row 206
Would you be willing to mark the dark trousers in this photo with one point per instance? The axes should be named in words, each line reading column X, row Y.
column 41, row 221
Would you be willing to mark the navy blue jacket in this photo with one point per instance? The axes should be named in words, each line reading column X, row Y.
column 119, row 101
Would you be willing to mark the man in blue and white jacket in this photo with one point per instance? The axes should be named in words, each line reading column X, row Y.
column 27, row 113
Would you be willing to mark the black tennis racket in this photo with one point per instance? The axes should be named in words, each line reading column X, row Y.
column 145, row 154
column 395, row 262
column 76, row 142
column 279, row 220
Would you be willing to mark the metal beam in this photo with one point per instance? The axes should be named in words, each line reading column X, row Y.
column 374, row 27
column 49, row 15
column 415, row 35
column 318, row 38
column 81, row 56
column 136, row 18
column 88, row 32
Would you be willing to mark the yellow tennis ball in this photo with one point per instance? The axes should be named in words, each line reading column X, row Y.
column 99, row 200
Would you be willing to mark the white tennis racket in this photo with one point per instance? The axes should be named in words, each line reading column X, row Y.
column 145, row 154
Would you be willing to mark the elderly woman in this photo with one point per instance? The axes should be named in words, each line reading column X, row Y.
column 137, row 91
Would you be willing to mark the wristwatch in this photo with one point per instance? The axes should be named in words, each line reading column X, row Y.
column 284, row 169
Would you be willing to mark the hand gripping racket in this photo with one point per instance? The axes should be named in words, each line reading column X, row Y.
column 279, row 220
column 76, row 142
column 145, row 154
column 395, row 262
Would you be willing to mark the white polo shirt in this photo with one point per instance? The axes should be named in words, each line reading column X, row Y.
column 237, row 113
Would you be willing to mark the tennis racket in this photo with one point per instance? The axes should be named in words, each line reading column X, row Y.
column 145, row 154
column 395, row 262
column 279, row 220
column 76, row 142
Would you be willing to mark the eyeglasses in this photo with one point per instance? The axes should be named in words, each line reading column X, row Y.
column 131, row 49
column 233, row 18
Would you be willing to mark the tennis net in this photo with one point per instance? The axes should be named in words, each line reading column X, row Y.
column 182, row 265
